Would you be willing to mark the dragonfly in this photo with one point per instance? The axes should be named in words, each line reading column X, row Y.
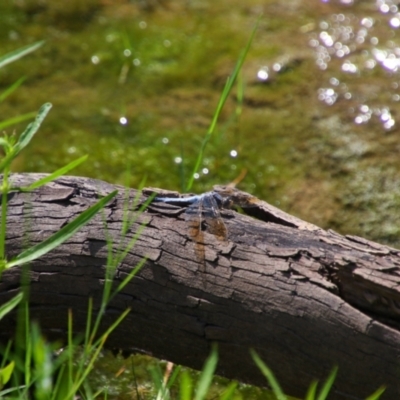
column 202, row 214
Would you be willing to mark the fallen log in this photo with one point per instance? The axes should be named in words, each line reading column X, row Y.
column 304, row 298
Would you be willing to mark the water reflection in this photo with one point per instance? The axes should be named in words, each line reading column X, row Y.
column 383, row 114
column 263, row 74
column 355, row 47
column 352, row 44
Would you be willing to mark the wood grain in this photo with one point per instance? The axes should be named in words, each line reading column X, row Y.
column 304, row 299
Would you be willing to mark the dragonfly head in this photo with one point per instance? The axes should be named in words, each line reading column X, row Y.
column 222, row 201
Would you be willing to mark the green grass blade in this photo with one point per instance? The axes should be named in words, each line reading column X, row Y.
column 88, row 328
column 5, row 373
column 207, row 375
column 42, row 359
column 328, row 384
column 26, row 136
column 112, row 327
column 157, row 378
column 17, row 54
column 5, row 143
column 269, row 375
column 10, row 390
column 55, row 174
column 16, row 120
column 5, row 352
column 28, row 346
column 29, row 132
column 221, row 103
column 12, row 88
column 131, row 275
column 164, row 385
column 312, row 391
column 62, row 235
column 377, row 394
column 239, row 95
column 68, row 382
column 7, row 307
column 229, row 391
column 96, row 347
column 77, row 383
column 173, row 377
column 6, row 161
column 60, row 383
column 186, row 386
column 98, row 393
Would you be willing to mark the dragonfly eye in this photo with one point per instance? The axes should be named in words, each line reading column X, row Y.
column 227, row 202
column 219, row 199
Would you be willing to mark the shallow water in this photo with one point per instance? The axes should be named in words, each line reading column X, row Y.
column 312, row 126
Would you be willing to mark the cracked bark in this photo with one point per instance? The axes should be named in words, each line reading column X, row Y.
column 305, row 299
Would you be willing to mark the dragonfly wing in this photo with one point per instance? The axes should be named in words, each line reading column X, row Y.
column 194, row 218
column 212, row 217
column 204, row 214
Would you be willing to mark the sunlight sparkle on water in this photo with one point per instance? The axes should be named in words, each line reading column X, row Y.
column 367, row 22
column 374, row 41
column 326, row 38
column 277, row 67
column 233, row 153
column 323, row 25
column 395, row 22
column 348, row 66
column 327, row 95
column 262, row 74
column 334, row 81
column 383, row 7
column 370, row 64
column 386, row 118
column 389, row 59
column 123, row 120
column 383, row 114
column 348, row 37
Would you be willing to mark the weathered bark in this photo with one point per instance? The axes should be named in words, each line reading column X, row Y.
column 305, row 299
